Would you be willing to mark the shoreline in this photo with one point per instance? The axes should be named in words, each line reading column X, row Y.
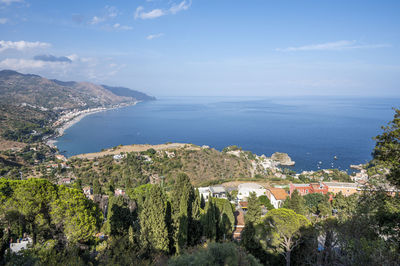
column 63, row 126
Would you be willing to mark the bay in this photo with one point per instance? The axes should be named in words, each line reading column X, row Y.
column 312, row 130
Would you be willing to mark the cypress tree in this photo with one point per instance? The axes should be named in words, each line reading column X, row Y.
column 183, row 194
column 253, row 214
column 195, row 229
column 153, row 228
column 210, row 221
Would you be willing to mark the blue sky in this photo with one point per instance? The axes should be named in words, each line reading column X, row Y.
column 209, row 47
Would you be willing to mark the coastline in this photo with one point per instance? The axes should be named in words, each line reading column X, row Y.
column 67, row 121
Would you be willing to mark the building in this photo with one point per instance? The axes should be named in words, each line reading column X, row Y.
column 214, row 191
column 21, row 244
column 277, row 196
column 305, row 189
column 118, row 157
column 346, row 188
column 245, row 189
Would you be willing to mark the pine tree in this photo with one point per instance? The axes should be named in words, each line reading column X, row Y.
column 153, row 228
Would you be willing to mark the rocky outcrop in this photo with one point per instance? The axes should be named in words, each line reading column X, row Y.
column 282, row 159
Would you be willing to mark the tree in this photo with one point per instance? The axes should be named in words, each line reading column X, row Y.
column 78, row 217
column 195, row 230
column 284, row 227
column 182, row 198
column 209, row 220
column 253, row 214
column 387, row 148
column 119, row 216
column 296, row 202
column 153, row 228
column 264, row 200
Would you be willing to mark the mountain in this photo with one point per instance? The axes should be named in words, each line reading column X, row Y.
column 30, row 103
column 17, row 88
column 121, row 91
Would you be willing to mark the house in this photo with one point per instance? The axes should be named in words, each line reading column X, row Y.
column 305, row 189
column 245, row 189
column 118, row 157
column 87, row 191
column 276, row 196
column 21, row 244
column 61, row 157
column 218, row 192
column 214, row 191
column 119, row 192
column 346, row 188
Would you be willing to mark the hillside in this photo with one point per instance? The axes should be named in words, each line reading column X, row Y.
column 122, row 91
column 29, row 103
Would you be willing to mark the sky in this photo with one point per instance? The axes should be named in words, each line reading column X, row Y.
column 209, row 47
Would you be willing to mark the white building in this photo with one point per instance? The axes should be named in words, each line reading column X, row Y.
column 21, row 245
column 276, row 196
column 214, row 191
column 245, row 189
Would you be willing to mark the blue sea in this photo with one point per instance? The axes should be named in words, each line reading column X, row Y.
column 312, row 130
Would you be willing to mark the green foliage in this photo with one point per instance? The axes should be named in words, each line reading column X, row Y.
column 153, row 227
column 317, row 203
column 182, row 198
column 387, row 149
column 37, row 207
column 284, row 227
column 253, row 214
column 264, row 200
column 120, row 216
column 296, row 202
column 215, row 254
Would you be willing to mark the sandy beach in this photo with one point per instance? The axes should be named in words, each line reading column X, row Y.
column 60, row 130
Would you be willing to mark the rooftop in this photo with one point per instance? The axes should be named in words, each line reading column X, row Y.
column 279, row 193
column 250, row 186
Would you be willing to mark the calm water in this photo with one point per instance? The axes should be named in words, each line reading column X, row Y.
column 310, row 130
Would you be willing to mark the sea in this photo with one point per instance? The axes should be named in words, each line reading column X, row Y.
column 316, row 132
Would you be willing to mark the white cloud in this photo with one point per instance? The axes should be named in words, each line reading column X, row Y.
column 27, row 64
column 118, row 26
column 73, row 57
column 154, row 36
column 95, row 20
column 110, row 13
column 9, row 2
column 21, row 45
column 155, row 13
column 333, row 46
column 3, row 20
column 181, row 6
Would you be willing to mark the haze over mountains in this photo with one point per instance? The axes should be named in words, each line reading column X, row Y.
column 29, row 104
column 35, row 90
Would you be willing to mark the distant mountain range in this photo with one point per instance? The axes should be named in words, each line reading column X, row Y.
column 17, row 88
